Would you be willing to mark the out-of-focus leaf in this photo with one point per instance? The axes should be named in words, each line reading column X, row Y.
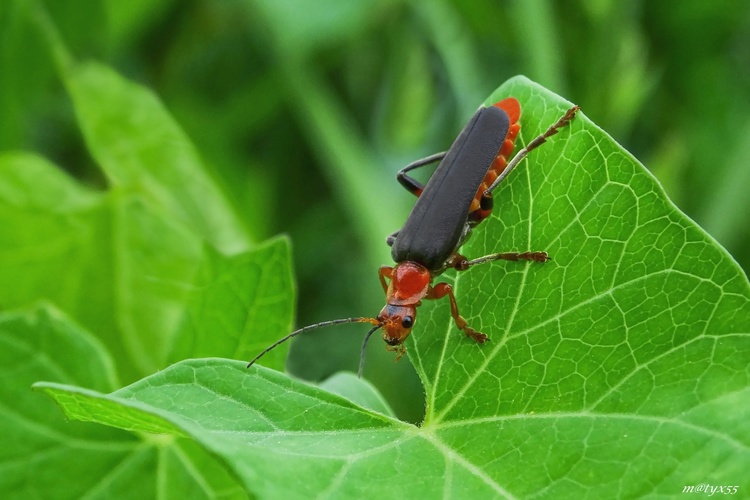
column 55, row 245
column 357, row 390
column 141, row 149
column 301, row 27
column 45, row 457
column 127, row 20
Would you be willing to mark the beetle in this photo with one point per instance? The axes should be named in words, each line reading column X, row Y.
column 456, row 198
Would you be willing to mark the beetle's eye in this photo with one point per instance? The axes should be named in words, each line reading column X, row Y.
column 407, row 322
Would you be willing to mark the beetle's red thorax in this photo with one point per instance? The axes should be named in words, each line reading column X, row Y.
column 410, row 282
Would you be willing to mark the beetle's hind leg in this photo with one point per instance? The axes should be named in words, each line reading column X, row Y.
column 563, row 121
column 411, row 184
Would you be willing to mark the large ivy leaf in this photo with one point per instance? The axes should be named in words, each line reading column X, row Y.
column 618, row 369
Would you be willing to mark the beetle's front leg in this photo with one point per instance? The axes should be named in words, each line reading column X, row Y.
column 383, row 273
column 441, row 290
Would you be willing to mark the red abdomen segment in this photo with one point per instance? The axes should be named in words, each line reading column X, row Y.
column 513, row 109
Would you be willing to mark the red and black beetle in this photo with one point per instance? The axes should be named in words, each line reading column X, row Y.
column 457, row 197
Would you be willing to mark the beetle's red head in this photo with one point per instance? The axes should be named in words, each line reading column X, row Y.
column 410, row 283
column 397, row 323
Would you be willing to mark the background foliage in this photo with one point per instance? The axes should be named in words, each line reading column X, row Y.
column 305, row 110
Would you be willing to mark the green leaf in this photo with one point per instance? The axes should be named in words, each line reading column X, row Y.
column 356, row 390
column 55, row 245
column 130, row 272
column 239, row 305
column 156, row 261
column 45, row 457
column 619, row 369
column 141, row 148
column 127, row 265
column 239, row 414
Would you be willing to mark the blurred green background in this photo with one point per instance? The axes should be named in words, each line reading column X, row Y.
column 306, row 109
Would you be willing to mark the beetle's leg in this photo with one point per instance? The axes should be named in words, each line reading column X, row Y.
column 400, row 350
column 538, row 141
column 412, row 185
column 441, row 290
column 383, row 273
column 462, row 264
column 390, row 240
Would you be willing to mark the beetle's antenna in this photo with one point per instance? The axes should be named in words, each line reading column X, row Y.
column 364, row 345
column 312, row 327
